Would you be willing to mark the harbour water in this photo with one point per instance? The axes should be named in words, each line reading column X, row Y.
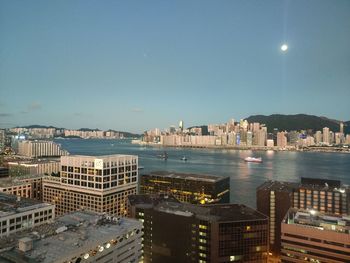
column 244, row 177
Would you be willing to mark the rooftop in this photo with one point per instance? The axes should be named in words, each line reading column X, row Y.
column 35, row 161
column 74, row 234
column 16, row 180
column 215, row 212
column 187, row 176
column 278, row 186
column 98, row 156
column 317, row 220
column 11, row 204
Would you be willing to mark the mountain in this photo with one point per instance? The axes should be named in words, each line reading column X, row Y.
column 38, row 126
column 298, row 122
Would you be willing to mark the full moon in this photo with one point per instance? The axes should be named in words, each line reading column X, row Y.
column 284, row 47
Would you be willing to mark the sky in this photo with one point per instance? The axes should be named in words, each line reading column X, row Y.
column 137, row 65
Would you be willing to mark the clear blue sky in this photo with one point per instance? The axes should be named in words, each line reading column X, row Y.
column 136, row 65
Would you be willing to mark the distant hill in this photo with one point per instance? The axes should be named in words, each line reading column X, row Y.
column 298, row 122
column 38, row 126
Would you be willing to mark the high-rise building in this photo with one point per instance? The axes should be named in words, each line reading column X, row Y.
column 309, row 236
column 341, row 128
column 40, row 149
column 326, row 138
column 18, row 214
column 318, row 137
column 281, row 140
column 201, row 234
column 275, row 198
column 2, row 140
column 77, row 237
column 189, row 188
column 96, row 183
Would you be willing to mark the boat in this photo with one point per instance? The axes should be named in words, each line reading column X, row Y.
column 141, row 167
column 184, row 159
column 163, row 156
column 253, row 159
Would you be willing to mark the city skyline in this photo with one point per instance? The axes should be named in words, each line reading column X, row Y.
column 132, row 67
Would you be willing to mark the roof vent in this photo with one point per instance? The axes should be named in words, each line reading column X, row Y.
column 25, row 244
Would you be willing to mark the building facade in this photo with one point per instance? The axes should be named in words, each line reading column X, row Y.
column 309, row 236
column 96, row 183
column 179, row 232
column 35, row 149
column 189, row 188
column 18, row 214
column 34, row 167
column 275, row 198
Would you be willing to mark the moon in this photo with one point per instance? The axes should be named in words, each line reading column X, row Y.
column 284, row 47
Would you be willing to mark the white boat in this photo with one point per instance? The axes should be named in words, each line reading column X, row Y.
column 184, row 159
column 253, row 159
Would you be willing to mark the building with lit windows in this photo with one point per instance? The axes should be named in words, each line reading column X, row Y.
column 274, row 199
column 180, row 232
column 189, row 188
column 96, row 183
column 34, row 167
column 18, row 214
column 78, row 237
column 29, row 186
column 310, row 236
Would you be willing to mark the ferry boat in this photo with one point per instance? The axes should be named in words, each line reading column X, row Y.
column 253, row 159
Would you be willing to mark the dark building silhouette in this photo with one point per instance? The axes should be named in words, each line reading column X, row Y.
column 274, row 199
column 179, row 232
column 189, row 188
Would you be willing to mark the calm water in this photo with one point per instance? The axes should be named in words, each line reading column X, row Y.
column 245, row 177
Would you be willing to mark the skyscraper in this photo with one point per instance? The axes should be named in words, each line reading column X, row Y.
column 326, row 137
column 341, row 128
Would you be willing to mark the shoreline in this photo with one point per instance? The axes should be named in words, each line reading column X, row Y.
column 246, row 148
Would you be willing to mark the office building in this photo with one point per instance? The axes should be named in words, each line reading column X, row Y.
column 179, row 232
column 96, row 183
column 78, row 237
column 18, row 214
column 275, row 198
column 189, row 188
column 36, row 149
column 309, row 236
column 34, row 167
column 25, row 186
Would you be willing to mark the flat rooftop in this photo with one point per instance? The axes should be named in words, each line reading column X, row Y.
column 306, row 183
column 35, row 161
column 215, row 212
column 73, row 234
column 16, row 180
column 187, row 176
column 318, row 220
column 278, row 186
column 11, row 204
